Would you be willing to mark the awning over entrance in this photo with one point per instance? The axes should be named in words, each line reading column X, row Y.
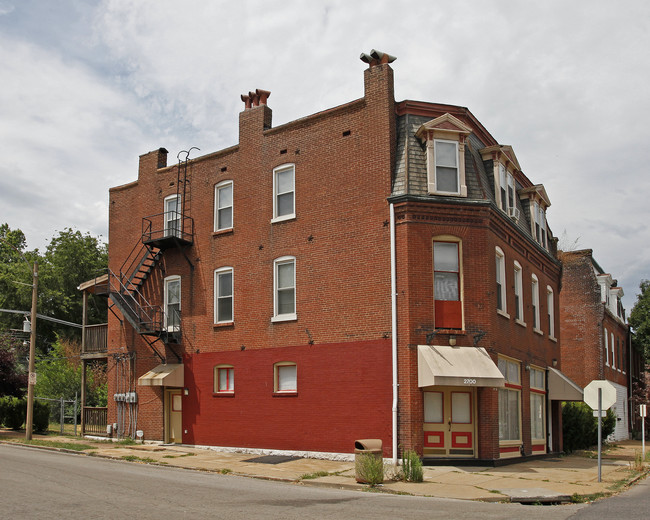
column 456, row 366
column 561, row 388
column 163, row 375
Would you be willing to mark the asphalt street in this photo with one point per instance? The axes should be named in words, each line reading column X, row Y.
column 36, row 483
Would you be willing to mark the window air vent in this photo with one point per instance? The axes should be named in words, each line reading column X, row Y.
column 513, row 213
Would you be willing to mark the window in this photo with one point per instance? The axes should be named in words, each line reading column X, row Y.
column 172, row 304
column 539, row 223
column 224, row 379
column 285, row 377
column 446, row 160
column 511, row 191
column 503, row 194
column 501, row 280
column 519, row 302
column 606, row 349
column 223, row 206
column 537, row 404
column 509, row 397
column 446, row 285
column 618, row 353
column 284, row 193
column 535, row 303
column 550, row 304
column 173, row 216
column 223, row 295
column 611, row 338
column 284, row 280
column 445, row 138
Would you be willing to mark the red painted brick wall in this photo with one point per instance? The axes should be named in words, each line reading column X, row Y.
column 344, row 394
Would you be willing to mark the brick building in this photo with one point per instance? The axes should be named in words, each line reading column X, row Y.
column 376, row 270
column 595, row 336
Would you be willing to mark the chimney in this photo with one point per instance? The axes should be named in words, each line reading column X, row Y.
column 378, row 77
column 152, row 161
column 256, row 116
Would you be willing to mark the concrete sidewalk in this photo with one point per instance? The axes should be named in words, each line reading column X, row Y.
column 551, row 480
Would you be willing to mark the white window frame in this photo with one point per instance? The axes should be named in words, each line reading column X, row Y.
column 217, row 276
column 283, row 387
column 550, row 304
column 276, row 172
column 500, row 258
column 540, row 395
column 276, row 290
column 218, row 208
column 169, row 325
column 606, row 348
column 519, row 296
column 457, row 167
column 170, row 230
column 611, row 337
column 534, row 299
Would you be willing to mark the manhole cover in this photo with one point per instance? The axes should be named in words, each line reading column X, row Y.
column 272, row 459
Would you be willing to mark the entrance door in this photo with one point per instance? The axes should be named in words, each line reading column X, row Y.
column 174, row 408
column 449, row 422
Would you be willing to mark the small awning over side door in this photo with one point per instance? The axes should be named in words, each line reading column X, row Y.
column 561, row 388
column 457, row 366
column 163, row 375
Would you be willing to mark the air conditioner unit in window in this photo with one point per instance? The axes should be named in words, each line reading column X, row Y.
column 513, row 213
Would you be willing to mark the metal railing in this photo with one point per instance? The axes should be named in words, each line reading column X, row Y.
column 96, row 338
column 149, row 318
column 95, row 420
column 169, row 224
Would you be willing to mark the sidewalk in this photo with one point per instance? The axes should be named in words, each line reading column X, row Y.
column 550, row 480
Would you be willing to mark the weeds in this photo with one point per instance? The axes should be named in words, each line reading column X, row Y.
column 318, row 474
column 369, row 468
column 74, row 446
column 135, row 458
column 412, row 465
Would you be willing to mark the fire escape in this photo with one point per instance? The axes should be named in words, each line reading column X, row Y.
column 173, row 228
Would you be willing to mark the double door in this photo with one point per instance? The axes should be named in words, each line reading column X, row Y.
column 449, row 422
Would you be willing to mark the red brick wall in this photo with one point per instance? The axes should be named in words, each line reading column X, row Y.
column 344, row 394
column 340, row 238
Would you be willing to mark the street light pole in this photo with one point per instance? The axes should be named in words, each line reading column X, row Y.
column 29, row 422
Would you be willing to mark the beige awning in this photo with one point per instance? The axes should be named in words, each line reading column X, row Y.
column 561, row 388
column 456, row 366
column 163, row 375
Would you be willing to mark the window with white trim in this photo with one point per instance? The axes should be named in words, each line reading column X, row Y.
column 501, row 280
column 509, row 401
column 172, row 304
column 535, row 302
column 446, row 166
column 223, row 295
column 539, row 224
column 284, row 289
column 606, row 348
column 611, row 337
column 172, row 216
column 223, row 206
column 550, row 305
column 285, row 377
column 519, row 301
column 224, row 379
column 537, row 404
column 284, row 193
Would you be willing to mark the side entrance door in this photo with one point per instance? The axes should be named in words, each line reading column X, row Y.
column 174, row 416
column 450, row 422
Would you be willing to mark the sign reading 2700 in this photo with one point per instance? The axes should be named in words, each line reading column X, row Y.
column 467, row 381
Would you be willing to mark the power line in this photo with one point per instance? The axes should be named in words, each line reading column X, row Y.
column 43, row 317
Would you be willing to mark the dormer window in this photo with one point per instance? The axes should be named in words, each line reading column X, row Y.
column 539, row 215
column 445, row 141
column 538, row 202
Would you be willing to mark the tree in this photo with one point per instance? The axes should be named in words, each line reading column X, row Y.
column 640, row 320
column 59, row 375
column 13, row 377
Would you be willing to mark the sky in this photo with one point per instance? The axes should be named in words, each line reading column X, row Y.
column 87, row 86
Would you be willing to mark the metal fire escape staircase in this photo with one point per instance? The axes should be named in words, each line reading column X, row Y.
column 159, row 232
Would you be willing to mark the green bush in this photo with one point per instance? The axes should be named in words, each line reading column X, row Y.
column 2, row 410
column 580, row 427
column 369, row 468
column 41, row 416
column 412, row 466
column 15, row 410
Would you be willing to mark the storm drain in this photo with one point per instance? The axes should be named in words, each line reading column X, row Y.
column 272, row 459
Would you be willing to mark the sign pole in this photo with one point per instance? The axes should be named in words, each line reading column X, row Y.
column 600, row 429
column 642, row 413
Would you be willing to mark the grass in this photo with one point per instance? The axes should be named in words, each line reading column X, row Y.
column 74, row 446
column 317, row 474
column 135, row 458
column 178, row 456
column 225, row 471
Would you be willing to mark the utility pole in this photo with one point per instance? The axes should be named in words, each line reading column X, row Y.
column 32, row 348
